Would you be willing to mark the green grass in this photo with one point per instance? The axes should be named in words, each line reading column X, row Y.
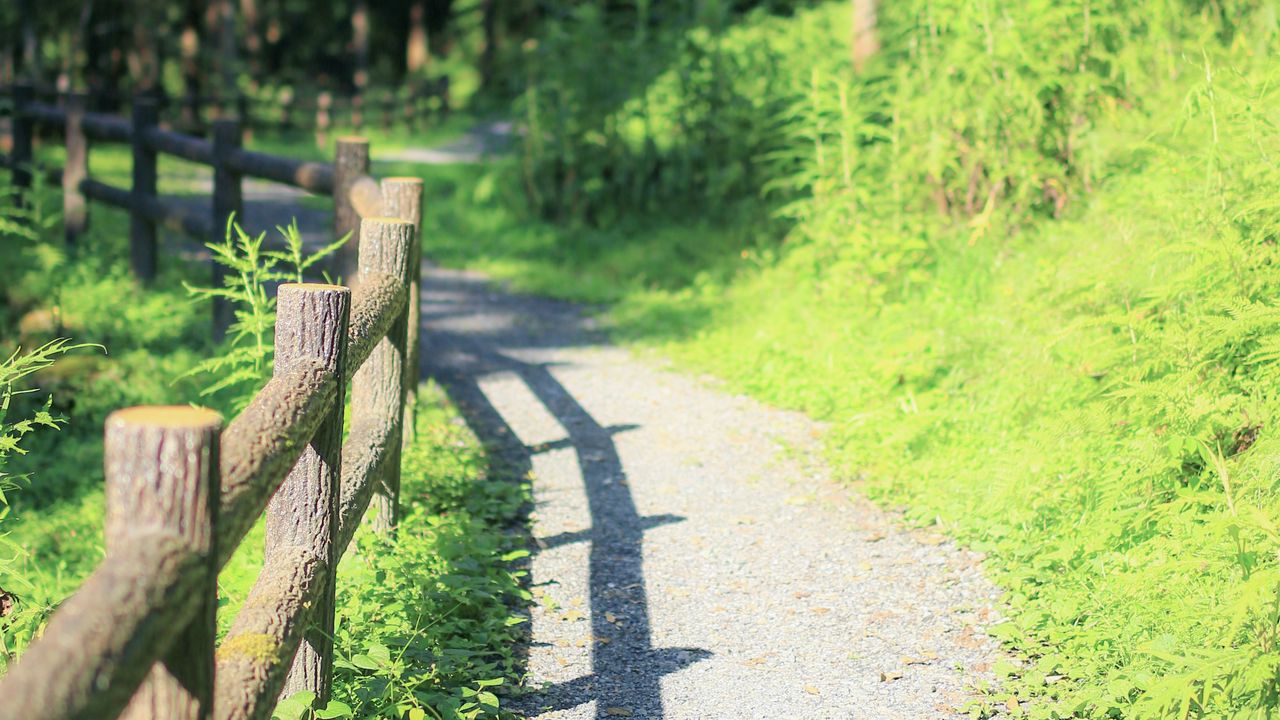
column 1090, row 400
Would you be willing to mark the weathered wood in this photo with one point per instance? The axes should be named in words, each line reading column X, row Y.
column 351, row 161
column 402, row 198
column 313, row 177
column 158, row 576
column 311, row 324
column 364, row 457
column 263, row 442
column 228, row 202
column 44, row 114
column 101, row 643
column 253, row 659
column 366, row 197
column 75, row 209
column 23, row 135
column 377, row 395
column 161, row 470
column 374, row 305
column 109, row 194
column 195, row 149
column 107, row 128
column 142, row 230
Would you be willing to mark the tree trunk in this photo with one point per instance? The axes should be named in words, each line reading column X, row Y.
column 866, row 39
column 416, row 56
column 488, row 55
column 189, row 54
column 142, row 52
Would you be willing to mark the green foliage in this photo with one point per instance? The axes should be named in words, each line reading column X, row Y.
column 17, row 619
column 1028, row 278
column 244, row 363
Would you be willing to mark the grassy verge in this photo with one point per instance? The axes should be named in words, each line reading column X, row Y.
column 1091, row 400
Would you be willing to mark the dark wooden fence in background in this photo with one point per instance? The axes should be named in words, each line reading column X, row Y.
column 283, row 109
column 346, row 179
column 138, row 639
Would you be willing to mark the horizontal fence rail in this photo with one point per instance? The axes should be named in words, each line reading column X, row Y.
column 284, row 109
column 346, row 180
column 137, row 640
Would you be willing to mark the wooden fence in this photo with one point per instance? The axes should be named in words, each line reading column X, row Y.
column 138, row 639
column 346, row 180
column 285, row 109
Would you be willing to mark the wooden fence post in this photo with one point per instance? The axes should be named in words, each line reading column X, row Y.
column 377, row 394
column 351, row 161
column 228, row 200
column 402, row 198
column 142, row 231
column 162, row 475
column 75, row 209
column 23, row 132
column 311, row 326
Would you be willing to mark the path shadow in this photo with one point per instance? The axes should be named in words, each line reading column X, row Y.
column 469, row 332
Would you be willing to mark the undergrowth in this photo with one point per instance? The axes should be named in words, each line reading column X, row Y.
column 1023, row 265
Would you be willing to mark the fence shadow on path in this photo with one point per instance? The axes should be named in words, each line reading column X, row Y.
column 469, row 332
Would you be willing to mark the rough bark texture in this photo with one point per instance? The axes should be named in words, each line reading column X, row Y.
column 253, row 659
column 228, row 202
column 142, row 231
column 402, row 198
column 161, row 470
column 311, row 324
column 350, row 162
column 264, row 441
column 373, row 310
column 75, row 212
column 102, row 642
column 154, row 592
column 364, row 456
column 377, row 395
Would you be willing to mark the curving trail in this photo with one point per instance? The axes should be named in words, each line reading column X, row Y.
column 692, row 559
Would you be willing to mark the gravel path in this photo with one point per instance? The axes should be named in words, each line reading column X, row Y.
column 693, row 559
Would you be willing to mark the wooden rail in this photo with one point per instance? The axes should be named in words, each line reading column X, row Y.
column 137, row 640
column 346, row 179
column 286, row 109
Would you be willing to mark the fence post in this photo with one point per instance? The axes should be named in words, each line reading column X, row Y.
column 311, row 326
column 162, row 476
column 377, row 394
column 351, row 161
column 23, row 93
column 142, row 231
column 75, row 211
column 227, row 201
column 402, row 198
